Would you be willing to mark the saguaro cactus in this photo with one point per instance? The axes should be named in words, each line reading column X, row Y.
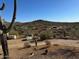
column 4, row 31
column 3, row 5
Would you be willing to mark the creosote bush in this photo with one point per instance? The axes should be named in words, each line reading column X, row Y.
column 27, row 45
column 48, row 43
column 44, row 36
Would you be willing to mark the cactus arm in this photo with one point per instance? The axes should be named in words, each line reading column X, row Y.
column 3, row 5
column 1, row 21
column 14, row 17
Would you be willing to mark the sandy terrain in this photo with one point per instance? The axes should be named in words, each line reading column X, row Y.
column 14, row 46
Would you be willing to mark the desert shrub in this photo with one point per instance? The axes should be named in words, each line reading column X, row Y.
column 44, row 36
column 13, row 32
column 27, row 45
column 48, row 43
column 55, row 44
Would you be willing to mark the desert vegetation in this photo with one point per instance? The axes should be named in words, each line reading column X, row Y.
column 37, row 39
column 47, row 29
column 44, row 31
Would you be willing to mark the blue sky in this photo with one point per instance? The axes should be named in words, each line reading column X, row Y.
column 51, row 10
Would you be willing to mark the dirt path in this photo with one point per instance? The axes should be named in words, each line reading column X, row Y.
column 14, row 45
column 19, row 43
column 74, row 43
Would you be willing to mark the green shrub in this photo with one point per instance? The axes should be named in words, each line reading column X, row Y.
column 44, row 36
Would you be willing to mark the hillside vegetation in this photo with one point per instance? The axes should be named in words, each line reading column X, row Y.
column 47, row 28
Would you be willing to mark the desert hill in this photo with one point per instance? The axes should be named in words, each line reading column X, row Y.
column 53, row 29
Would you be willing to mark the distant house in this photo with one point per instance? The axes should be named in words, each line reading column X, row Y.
column 32, row 37
column 29, row 37
column 11, row 36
